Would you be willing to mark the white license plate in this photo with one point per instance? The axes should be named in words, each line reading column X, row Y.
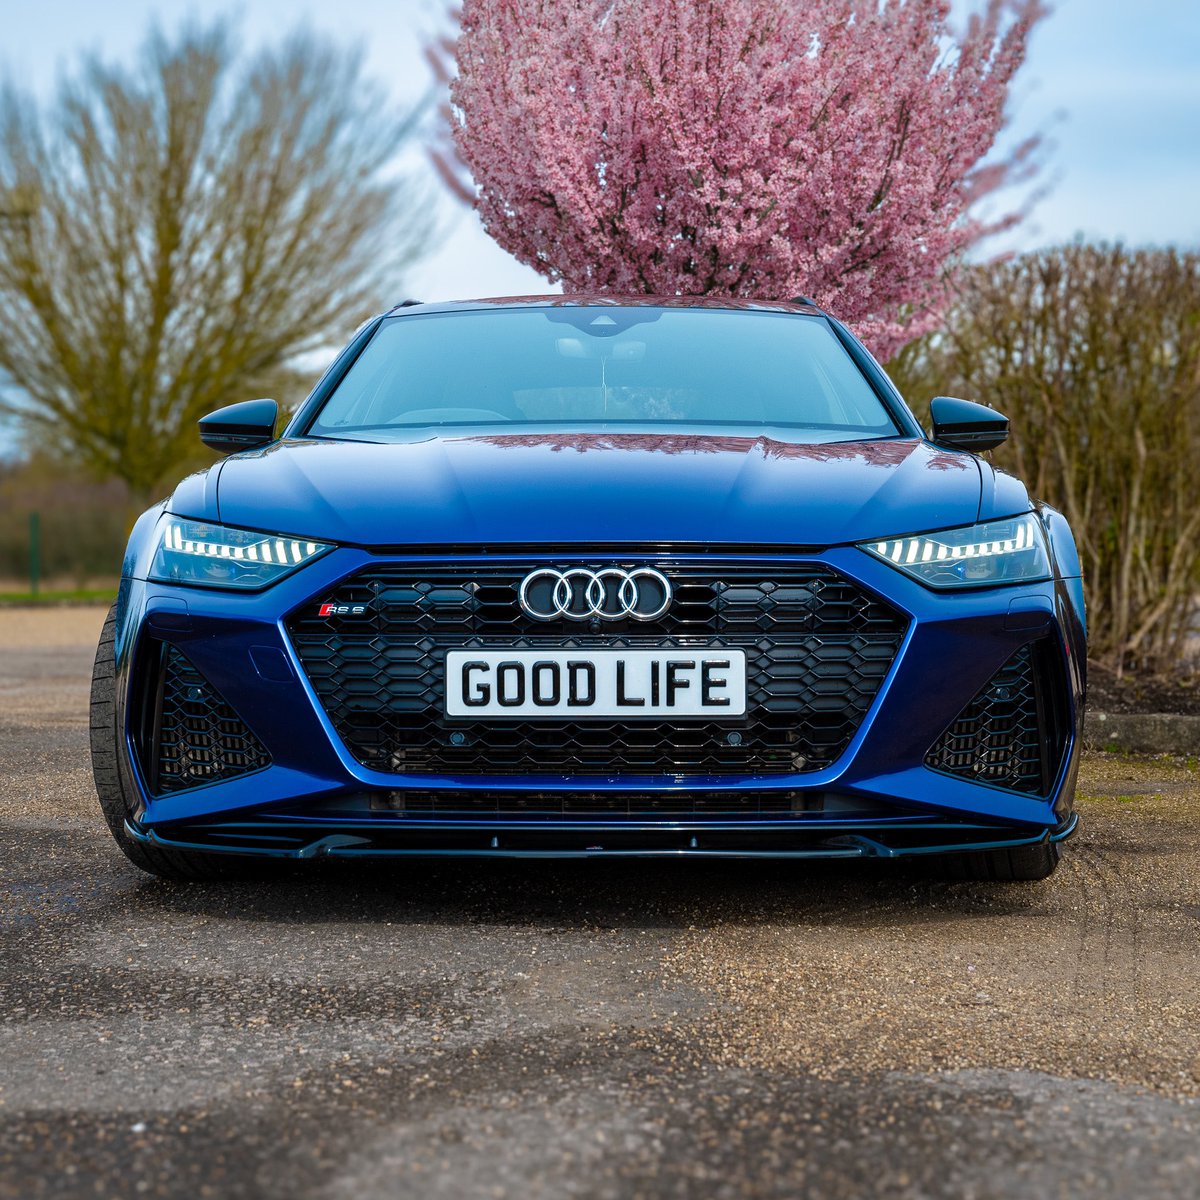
column 596, row 683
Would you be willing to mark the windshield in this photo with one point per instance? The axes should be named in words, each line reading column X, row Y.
column 605, row 368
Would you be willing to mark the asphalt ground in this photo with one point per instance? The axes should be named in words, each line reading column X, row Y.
column 594, row 1029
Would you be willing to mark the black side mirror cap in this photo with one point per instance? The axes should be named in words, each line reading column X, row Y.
column 240, row 426
column 965, row 425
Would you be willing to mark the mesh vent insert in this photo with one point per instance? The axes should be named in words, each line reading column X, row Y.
column 195, row 736
column 1012, row 734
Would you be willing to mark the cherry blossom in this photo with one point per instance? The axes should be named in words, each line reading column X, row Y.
column 751, row 148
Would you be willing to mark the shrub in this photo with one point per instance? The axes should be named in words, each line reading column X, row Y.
column 84, row 525
column 1093, row 351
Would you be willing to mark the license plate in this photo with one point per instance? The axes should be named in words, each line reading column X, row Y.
column 596, row 683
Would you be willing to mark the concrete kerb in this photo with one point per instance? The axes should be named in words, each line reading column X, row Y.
column 1142, row 733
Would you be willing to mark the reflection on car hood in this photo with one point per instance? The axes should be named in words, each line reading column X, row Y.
column 606, row 488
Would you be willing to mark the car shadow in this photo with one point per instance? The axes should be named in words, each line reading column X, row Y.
column 598, row 894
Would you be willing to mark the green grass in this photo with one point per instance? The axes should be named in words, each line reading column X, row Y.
column 76, row 596
column 1117, row 799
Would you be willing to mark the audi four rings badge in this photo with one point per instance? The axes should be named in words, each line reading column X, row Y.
column 607, row 595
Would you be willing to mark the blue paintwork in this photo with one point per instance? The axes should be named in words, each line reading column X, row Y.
column 743, row 494
column 562, row 488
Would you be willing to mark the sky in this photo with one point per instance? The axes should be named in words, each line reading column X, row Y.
column 1113, row 84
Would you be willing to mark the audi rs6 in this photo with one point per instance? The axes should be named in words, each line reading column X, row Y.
column 583, row 576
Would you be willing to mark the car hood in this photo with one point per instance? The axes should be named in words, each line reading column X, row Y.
column 605, row 488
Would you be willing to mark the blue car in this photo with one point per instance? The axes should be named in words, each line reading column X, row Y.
column 573, row 576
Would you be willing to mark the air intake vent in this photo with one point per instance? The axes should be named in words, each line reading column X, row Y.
column 194, row 737
column 1013, row 733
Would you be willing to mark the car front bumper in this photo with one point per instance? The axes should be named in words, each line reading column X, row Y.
column 879, row 798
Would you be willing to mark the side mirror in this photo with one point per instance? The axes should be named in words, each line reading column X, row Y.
column 240, row 426
column 964, row 425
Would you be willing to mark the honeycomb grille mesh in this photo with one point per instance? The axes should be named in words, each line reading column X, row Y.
column 818, row 648
column 1010, row 734
column 522, row 804
column 199, row 738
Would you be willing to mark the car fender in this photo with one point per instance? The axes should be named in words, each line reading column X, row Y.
column 143, row 541
column 196, row 496
column 1064, row 554
column 1062, row 543
column 1001, row 494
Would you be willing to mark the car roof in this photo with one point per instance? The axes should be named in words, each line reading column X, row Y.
column 800, row 304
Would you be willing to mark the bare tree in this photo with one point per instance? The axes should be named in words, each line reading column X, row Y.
column 178, row 233
column 1094, row 352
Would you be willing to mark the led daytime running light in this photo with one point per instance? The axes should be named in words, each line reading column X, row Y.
column 993, row 553
column 926, row 548
column 281, row 552
column 203, row 554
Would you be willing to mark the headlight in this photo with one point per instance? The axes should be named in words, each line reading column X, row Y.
column 997, row 552
column 219, row 557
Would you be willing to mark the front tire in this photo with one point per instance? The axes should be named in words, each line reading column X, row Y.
column 1018, row 864
column 114, row 787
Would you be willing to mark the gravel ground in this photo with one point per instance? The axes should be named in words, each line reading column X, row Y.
column 592, row 1029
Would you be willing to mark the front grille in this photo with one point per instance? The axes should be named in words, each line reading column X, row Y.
column 578, row 805
column 818, row 648
column 192, row 734
column 1013, row 733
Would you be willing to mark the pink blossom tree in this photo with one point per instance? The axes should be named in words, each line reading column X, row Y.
column 755, row 148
